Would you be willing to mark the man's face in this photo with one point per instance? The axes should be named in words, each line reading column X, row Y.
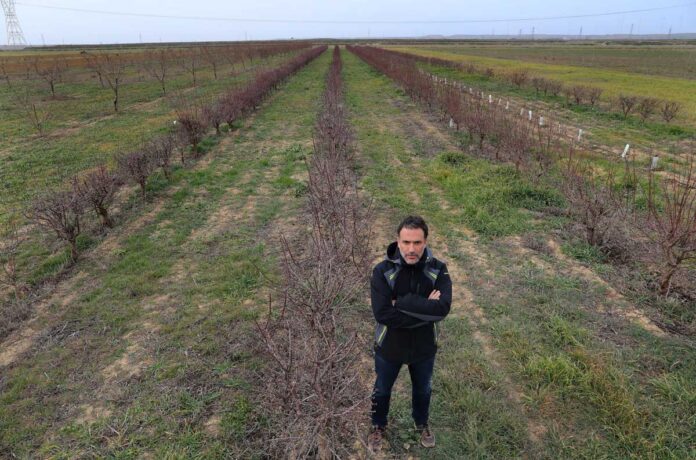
column 411, row 242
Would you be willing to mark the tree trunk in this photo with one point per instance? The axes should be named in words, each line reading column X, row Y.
column 104, row 214
column 116, row 96
column 591, row 236
column 73, row 250
column 666, row 278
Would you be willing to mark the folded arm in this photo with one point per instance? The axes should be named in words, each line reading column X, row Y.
column 429, row 309
column 382, row 306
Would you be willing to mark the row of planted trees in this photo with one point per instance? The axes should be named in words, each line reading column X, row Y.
column 114, row 70
column 64, row 210
column 495, row 131
column 314, row 388
column 159, row 63
column 657, row 231
column 626, row 104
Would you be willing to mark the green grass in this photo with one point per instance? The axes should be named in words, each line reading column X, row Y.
column 556, row 341
column 493, row 199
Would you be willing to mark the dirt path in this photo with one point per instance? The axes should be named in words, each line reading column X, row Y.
column 418, row 124
column 426, row 137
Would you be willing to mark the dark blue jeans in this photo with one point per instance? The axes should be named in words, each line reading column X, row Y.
column 421, row 383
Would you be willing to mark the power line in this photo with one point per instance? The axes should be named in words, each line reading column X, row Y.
column 319, row 21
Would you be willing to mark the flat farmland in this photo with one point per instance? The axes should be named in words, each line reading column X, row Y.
column 79, row 127
column 205, row 321
column 643, row 72
column 670, row 60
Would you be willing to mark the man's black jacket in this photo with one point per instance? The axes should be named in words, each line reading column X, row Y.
column 406, row 330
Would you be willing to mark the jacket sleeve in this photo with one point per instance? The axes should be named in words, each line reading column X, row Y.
column 382, row 307
column 429, row 310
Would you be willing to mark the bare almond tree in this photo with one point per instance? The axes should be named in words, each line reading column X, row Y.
column 9, row 250
column 231, row 108
column 110, row 67
column 156, row 64
column 191, row 123
column 539, row 84
column 214, row 114
column 51, row 71
column 212, row 55
column 4, row 71
column 97, row 188
column 554, row 87
column 519, row 77
column 478, row 120
column 136, row 167
column 60, row 211
column 37, row 114
column 91, row 61
column 647, row 106
column 546, row 138
column 593, row 94
column 672, row 221
column 518, row 142
column 160, row 150
column 669, row 110
column 626, row 104
column 594, row 201
column 190, row 61
column 577, row 93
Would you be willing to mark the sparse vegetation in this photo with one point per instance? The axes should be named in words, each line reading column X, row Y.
column 60, row 212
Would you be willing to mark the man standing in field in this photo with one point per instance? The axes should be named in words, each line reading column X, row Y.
column 411, row 291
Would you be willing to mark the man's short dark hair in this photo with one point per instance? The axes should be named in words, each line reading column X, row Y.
column 413, row 222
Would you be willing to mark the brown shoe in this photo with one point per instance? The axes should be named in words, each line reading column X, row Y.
column 427, row 438
column 374, row 440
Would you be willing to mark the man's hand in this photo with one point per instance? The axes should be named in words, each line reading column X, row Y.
column 434, row 295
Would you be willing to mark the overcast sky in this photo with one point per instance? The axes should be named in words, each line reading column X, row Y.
column 43, row 22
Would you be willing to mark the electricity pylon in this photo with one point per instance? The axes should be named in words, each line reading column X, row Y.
column 15, row 36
